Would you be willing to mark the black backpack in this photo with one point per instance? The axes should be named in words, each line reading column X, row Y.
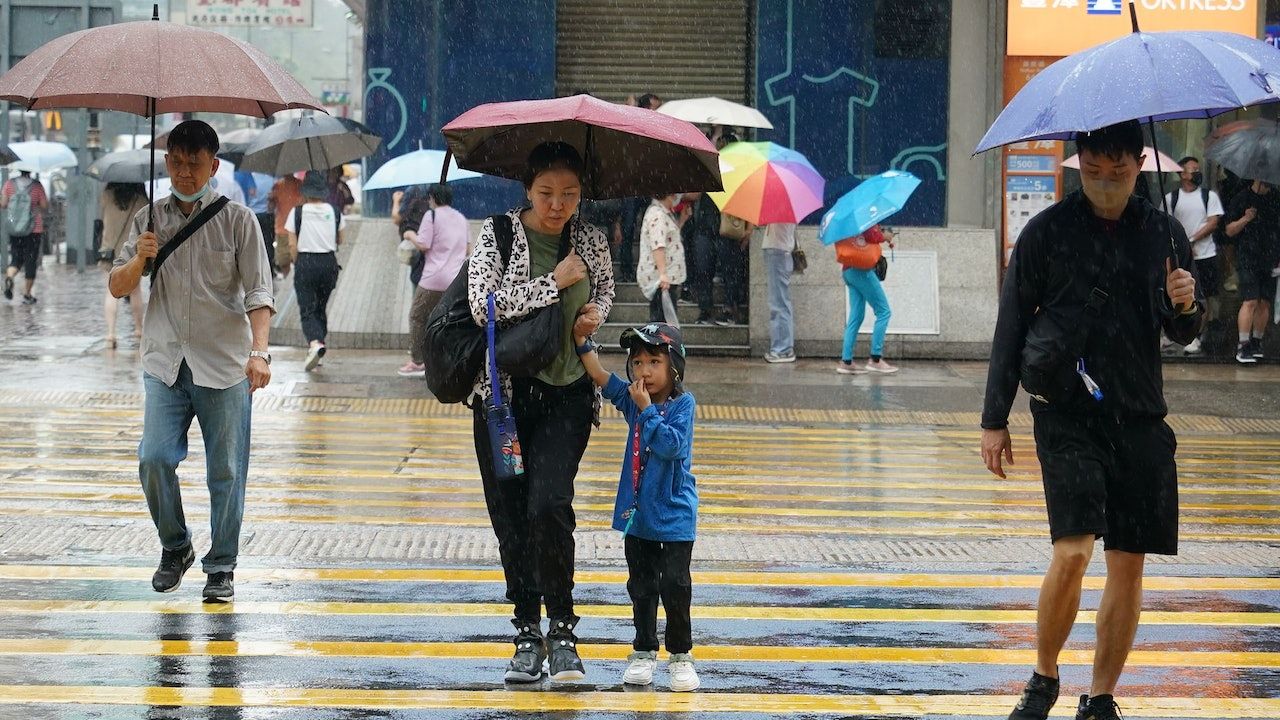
column 1173, row 199
column 453, row 345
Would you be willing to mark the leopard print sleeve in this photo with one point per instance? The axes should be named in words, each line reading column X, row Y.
column 593, row 246
column 515, row 295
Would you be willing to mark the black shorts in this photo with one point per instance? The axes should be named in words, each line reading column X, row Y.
column 1209, row 277
column 1116, row 479
column 24, row 253
column 1255, row 279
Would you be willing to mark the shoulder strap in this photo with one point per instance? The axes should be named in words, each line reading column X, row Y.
column 186, row 232
column 1173, row 199
column 1204, row 197
column 297, row 220
column 337, row 223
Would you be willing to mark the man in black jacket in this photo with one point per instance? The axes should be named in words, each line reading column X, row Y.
column 1106, row 454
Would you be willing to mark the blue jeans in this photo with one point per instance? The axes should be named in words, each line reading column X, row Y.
column 782, row 330
column 224, row 421
column 864, row 289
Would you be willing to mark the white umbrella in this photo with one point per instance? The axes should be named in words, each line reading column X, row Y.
column 1167, row 164
column 40, row 157
column 716, row 111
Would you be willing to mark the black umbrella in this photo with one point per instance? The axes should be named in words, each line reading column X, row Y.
column 1250, row 150
column 311, row 142
column 128, row 166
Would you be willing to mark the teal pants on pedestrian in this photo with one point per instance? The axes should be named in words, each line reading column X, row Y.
column 864, row 289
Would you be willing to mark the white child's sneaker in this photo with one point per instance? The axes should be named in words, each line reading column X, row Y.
column 683, row 677
column 640, row 671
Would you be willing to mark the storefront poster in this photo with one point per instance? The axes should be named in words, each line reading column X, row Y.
column 1062, row 27
column 249, row 13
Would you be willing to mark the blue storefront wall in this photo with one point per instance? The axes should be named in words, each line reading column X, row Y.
column 854, row 106
column 428, row 61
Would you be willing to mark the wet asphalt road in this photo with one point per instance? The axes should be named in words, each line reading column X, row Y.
column 867, row 568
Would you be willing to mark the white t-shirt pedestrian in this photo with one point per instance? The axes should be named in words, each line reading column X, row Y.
column 779, row 236
column 319, row 234
column 1192, row 213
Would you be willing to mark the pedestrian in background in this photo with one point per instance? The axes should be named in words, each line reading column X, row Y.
column 662, row 267
column 1106, row 454
column 779, row 243
column 1199, row 210
column 339, row 195
column 315, row 231
column 442, row 240
column 554, row 411
column 701, row 235
column 1254, row 222
column 120, row 202
column 257, row 196
column 286, row 195
column 859, row 256
column 656, row 508
column 204, row 352
column 733, row 260
column 24, row 201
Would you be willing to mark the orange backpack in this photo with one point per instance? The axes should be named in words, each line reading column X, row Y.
column 857, row 253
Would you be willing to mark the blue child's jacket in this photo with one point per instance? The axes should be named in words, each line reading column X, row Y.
column 667, row 510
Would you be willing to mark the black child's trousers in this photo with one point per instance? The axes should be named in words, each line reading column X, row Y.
column 660, row 570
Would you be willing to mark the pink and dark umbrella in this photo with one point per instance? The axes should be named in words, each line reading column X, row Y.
column 152, row 67
column 627, row 151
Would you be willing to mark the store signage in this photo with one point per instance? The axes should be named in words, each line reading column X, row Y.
column 1061, row 27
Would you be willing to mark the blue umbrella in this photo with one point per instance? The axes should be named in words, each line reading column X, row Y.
column 1142, row 76
column 419, row 167
column 873, row 201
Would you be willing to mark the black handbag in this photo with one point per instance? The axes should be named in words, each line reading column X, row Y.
column 1056, row 342
column 533, row 342
column 882, row 268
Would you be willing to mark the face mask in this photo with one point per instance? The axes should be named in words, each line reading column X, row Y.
column 1107, row 194
column 192, row 197
column 1197, row 178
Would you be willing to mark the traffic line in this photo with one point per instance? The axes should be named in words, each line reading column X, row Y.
column 622, row 612
column 1157, row 583
column 506, row 701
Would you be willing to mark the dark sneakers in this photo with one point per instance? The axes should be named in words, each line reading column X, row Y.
column 531, row 652
column 1102, row 707
column 173, row 565
column 562, row 645
column 220, row 587
column 1037, row 698
column 8, row 288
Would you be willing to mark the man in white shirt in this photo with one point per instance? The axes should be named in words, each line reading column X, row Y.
column 1199, row 209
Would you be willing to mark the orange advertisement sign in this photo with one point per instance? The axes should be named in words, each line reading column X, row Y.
column 1062, row 27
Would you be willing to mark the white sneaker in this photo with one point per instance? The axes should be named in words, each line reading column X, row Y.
column 1192, row 348
column 313, row 357
column 880, row 366
column 640, row 671
column 683, row 677
column 845, row 368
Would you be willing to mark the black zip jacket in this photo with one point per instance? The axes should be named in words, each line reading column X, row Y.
column 1055, row 265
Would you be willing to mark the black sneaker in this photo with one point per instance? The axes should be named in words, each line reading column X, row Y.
column 8, row 288
column 220, row 587
column 28, row 299
column 1244, row 353
column 173, row 565
column 562, row 644
column 1102, row 707
column 1037, row 700
column 1256, row 348
column 531, row 652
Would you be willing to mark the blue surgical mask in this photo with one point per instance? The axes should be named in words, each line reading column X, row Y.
column 204, row 190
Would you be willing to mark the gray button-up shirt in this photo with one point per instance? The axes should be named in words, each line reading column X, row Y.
column 201, row 295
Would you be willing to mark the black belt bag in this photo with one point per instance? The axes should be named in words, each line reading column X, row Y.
column 1056, row 342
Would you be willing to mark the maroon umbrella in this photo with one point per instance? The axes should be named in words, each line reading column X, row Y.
column 152, row 67
column 627, row 151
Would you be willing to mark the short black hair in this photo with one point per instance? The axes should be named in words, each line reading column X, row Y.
column 646, row 100
column 192, row 136
column 1114, row 141
column 1188, row 159
column 441, row 193
column 552, row 156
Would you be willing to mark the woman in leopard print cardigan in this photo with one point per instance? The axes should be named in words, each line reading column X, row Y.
column 532, row 515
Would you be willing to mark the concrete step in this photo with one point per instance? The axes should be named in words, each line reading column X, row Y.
column 637, row 313
column 630, row 293
column 698, row 339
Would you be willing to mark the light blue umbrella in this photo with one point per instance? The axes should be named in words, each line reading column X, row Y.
column 40, row 157
column 420, row 167
column 873, row 201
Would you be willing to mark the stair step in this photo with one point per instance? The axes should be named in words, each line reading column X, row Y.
column 636, row 313
column 735, row 338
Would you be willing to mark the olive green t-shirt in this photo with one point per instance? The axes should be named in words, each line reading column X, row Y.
column 544, row 253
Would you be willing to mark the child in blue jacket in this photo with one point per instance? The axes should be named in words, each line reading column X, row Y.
column 657, row 505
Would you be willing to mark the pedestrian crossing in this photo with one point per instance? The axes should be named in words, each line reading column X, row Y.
column 321, row 636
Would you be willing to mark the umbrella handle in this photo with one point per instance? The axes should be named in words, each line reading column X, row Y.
column 444, row 171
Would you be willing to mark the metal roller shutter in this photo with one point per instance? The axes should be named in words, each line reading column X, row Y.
column 675, row 48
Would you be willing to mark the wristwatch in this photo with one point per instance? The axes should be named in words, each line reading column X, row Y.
column 261, row 354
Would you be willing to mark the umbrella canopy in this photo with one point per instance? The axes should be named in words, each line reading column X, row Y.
column 1167, row 164
column 38, row 156
column 716, row 111
column 128, row 166
column 7, row 155
column 310, row 142
column 627, row 151
column 419, row 167
column 1142, row 76
column 1252, row 152
column 873, row 201
column 769, row 184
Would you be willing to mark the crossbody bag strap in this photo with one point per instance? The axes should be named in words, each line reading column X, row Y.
column 186, row 232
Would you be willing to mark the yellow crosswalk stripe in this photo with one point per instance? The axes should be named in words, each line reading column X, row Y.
column 622, row 612
column 1156, row 583
column 905, row 706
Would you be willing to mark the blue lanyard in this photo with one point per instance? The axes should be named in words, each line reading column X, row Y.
column 1089, row 382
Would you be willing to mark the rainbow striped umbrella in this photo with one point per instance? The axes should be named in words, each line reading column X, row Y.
column 768, row 184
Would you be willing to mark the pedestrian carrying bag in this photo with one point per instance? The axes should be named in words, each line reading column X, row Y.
column 18, row 218
column 186, row 232
column 734, row 227
column 861, row 256
column 533, row 342
column 504, row 441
